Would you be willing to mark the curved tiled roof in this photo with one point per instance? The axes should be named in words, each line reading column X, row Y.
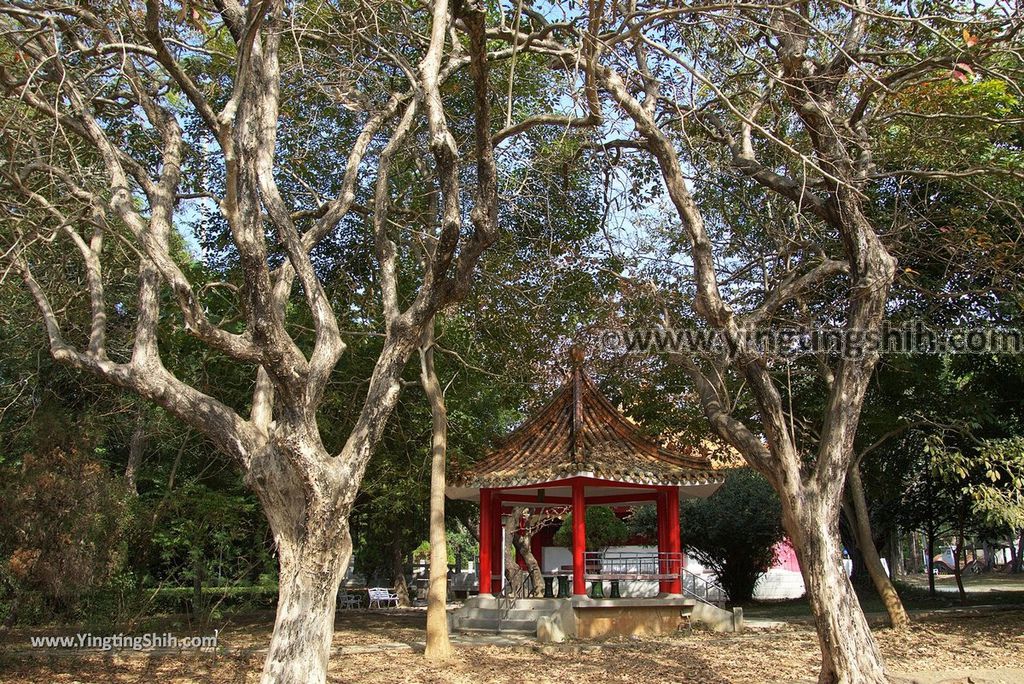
column 579, row 432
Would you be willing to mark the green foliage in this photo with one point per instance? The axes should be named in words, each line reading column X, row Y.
column 604, row 529
column 733, row 532
column 990, row 475
column 208, row 536
column 962, row 422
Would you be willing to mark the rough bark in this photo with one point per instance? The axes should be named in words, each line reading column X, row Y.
column 849, row 653
column 812, row 494
column 896, row 568
column 514, row 574
column 438, row 646
column 898, row 618
column 310, row 574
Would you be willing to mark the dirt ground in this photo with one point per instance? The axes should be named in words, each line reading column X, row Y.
column 382, row 647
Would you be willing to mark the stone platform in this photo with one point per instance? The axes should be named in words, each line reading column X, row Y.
column 581, row 617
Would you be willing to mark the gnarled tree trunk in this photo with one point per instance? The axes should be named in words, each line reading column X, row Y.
column 305, row 491
column 310, row 573
column 308, row 517
column 849, row 652
column 521, row 543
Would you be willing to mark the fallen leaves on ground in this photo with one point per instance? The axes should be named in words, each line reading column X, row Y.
column 375, row 648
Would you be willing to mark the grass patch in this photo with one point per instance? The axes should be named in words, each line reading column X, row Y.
column 992, row 589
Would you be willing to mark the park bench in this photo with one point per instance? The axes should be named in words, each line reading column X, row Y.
column 382, row 596
column 347, row 600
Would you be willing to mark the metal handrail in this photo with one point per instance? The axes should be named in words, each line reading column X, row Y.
column 509, row 595
column 703, row 590
column 653, row 565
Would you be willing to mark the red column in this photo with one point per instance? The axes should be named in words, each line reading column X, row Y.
column 663, row 585
column 497, row 545
column 579, row 539
column 674, row 541
column 483, row 570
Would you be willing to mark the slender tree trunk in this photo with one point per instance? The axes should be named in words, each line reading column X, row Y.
column 438, row 645
column 398, row 570
column 198, row 610
column 136, row 447
column 1018, row 561
column 896, row 569
column 849, row 652
column 915, row 553
column 959, row 553
column 898, row 618
column 931, row 561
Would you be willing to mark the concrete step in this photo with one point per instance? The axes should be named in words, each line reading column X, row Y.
column 477, row 624
column 517, row 621
column 515, row 614
column 488, row 603
column 519, row 626
column 495, row 626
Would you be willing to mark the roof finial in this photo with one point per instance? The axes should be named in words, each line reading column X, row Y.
column 576, row 356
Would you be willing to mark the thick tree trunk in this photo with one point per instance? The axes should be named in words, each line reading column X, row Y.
column 308, row 514
column 310, row 574
column 898, row 618
column 514, row 575
column 438, row 645
column 849, row 652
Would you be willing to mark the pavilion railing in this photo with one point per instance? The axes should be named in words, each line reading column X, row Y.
column 703, row 590
column 651, row 565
